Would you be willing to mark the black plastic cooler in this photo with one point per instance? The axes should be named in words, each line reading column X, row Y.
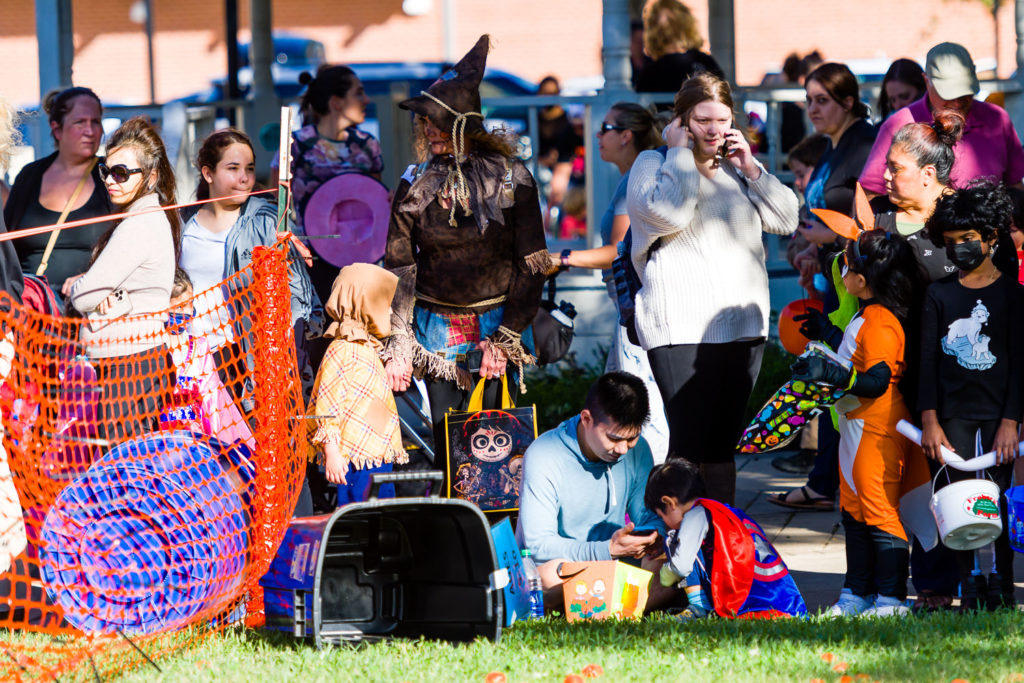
column 393, row 568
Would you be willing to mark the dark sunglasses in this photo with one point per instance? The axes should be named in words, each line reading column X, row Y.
column 605, row 127
column 119, row 172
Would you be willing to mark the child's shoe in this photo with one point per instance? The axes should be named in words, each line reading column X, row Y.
column 849, row 605
column 973, row 592
column 1000, row 592
column 692, row 612
column 886, row 606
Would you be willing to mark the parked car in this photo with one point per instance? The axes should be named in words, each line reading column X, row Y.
column 292, row 56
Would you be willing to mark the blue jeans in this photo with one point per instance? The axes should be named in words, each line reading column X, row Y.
column 357, row 488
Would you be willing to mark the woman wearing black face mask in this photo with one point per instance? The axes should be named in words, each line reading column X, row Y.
column 972, row 376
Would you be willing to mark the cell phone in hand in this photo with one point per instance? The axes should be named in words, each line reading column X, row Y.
column 474, row 358
column 642, row 531
column 122, row 304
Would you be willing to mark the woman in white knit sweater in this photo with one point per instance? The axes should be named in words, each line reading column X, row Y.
column 126, row 292
column 697, row 214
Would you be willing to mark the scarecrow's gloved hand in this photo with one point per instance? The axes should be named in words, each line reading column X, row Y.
column 822, row 370
column 816, row 326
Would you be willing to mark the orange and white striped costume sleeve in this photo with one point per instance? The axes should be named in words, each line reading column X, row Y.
column 877, row 465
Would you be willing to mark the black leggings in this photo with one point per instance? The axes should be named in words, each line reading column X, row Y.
column 706, row 388
column 876, row 561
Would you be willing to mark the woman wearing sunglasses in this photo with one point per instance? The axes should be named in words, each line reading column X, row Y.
column 127, row 289
column 696, row 217
column 627, row 130
column 64, row 186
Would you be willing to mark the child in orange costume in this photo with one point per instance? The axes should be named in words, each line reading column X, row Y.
column 877, row 465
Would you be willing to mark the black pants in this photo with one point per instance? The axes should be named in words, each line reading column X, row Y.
column 961, row 433
column 941, row 569
column 135, row 389
column 705, row 388
column 876, row 561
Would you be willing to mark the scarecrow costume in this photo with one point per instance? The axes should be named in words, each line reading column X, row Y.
column 467, row 238
column 352, row 400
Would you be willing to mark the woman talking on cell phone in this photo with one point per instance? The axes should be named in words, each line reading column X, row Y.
column 697, row 214
column 127, row 289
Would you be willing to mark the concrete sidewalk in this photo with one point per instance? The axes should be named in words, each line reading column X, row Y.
column 810, row 542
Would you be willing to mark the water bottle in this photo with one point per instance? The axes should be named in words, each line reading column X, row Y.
column 533, row 585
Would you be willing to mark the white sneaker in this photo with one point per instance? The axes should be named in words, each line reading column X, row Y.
column 886, row 607
column 849, row 605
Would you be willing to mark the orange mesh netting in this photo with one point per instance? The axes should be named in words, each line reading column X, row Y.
column 152, row 473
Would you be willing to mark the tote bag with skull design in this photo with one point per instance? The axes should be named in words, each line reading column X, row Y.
column 485, row 451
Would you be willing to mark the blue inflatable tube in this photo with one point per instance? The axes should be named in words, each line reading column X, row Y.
column 153, row 534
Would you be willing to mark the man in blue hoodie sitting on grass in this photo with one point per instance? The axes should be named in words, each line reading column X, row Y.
column 583, row 477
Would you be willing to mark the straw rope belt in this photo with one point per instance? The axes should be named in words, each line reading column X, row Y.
column 476, row 304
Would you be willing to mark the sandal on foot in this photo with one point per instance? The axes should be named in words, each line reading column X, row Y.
column 805, row 502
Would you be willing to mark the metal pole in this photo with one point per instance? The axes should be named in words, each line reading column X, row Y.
column 149, row 51
column 448, row 29
column 722, row 34
column 265, row 103
column 56, row 51
column 1017, row 111
column 602, row 177
column 615, row 47
column 231, row 40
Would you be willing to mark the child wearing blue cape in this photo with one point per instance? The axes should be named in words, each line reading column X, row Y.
column 719, row 555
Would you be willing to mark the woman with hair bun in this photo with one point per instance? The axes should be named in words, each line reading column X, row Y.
column 127, row 290
column 835, row 110
column 917, row 169
column 67, row 181
column 917, row 174
column 329, row 144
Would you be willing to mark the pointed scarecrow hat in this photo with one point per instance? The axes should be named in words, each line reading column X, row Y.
column 845, row 226
column 454, row 98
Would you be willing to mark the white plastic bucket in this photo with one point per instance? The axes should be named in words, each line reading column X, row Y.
column 967, row 513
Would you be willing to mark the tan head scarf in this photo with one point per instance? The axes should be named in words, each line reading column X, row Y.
column 360, row 303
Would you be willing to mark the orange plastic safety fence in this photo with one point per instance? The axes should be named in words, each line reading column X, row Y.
column 149, row 471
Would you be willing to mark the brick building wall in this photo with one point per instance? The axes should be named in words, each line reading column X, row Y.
column 532, row 37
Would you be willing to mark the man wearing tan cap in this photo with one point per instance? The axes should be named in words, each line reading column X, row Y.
column 989, row 147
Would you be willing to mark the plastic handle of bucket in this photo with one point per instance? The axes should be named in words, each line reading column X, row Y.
column 476, row 399
column 378, row 480
column 981, row 462
column 954, row 466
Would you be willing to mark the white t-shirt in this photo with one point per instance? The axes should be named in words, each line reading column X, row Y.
column 203, row 257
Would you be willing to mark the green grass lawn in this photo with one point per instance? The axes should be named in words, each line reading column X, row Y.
column 938, row 647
